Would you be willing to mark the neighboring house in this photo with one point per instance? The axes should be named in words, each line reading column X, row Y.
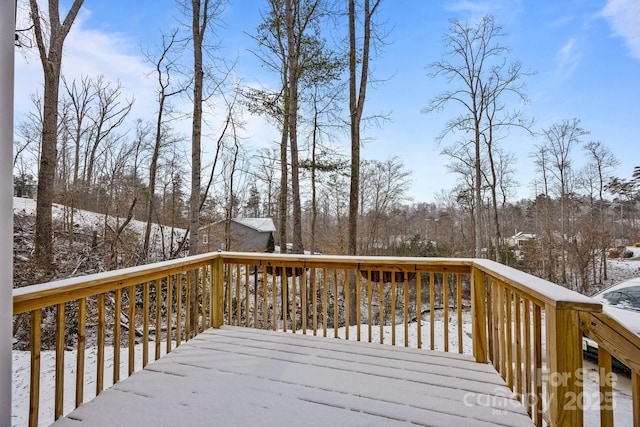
column 520, row 239
column 245, row 235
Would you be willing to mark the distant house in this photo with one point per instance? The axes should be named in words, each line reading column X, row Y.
column 520, row 239
column 245, row 235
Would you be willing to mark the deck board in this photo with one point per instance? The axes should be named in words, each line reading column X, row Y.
column 240, row 376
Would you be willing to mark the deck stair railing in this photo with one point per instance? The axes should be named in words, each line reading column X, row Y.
column 528, row 328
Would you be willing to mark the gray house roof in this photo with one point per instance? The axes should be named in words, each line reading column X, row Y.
column 258, row 224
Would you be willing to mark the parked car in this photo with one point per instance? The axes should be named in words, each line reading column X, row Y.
column 622, row 302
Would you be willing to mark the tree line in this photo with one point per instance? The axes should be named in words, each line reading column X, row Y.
column 80, row 147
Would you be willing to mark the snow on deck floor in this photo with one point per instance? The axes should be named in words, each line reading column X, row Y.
column 240, row 376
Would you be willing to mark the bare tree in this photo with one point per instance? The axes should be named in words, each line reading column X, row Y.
column 357, row 95
column 602, row 161
column 476, row 60
column 387, row 184
column 560, row 139
column 50, row 35
column 202, row 13
column 164, row 66
column 106, row 117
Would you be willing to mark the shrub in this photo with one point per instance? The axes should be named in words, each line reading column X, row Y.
column 614, row 253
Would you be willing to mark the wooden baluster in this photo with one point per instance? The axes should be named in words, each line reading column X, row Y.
column 393, row 307
column 246, row 296
column 284, row 295
column 537, row 366
column 255, row 295
column 508, row 343
column 635, row 392
column 495, row 300
column 432, row 314
column 187, row 308
column 212, row 293
column 265, row 304
column 100, row 362
column 445, row 303
column 314, row 302
column 355, row 275
column 158, row 317
column 335, row 303
column 479, row 316
column 193, row 283
column 488, row 287
column 34, row 380
column 381, row 297
column 345, row 284
column 59, row 375
column 207, row 290
column 527, row 356
column 405, row 291
column 82, row 342
column 145, row 324
column 419, row 306
column 325, row 321
column 518, row 346
column 369, row 305
column 178, row 309
column 117, row 310
column 303, row 299
column 201, row 281
column 459, row 311
column 501, row 333
column 274, row 299
column 606, row 392
column 169, row 321
column 294, row 302
column 132, row 328
column 238, row 304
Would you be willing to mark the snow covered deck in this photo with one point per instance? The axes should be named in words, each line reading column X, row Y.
column 241, row 376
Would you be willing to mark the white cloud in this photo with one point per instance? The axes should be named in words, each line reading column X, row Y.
column 469, row 6
column 89, row 52
column 568, row 58
column 624, row 18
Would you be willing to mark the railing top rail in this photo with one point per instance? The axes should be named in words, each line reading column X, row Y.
column 616, row 338
column 45, row 294
column 361, row 262
column 35, row 296
column 546, row 292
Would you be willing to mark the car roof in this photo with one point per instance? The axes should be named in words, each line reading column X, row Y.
column 626, row 284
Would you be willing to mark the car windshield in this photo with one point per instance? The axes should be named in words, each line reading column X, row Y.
column 628, row 297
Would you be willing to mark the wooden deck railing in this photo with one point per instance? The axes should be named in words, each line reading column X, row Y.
column 516, row 319
column 614, row 340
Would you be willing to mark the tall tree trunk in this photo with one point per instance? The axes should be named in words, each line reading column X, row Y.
column 51, row 60
column 284, row 177
column 292, row 9
column 198, row 27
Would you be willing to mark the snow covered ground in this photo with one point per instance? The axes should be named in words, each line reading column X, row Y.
column 87, row 220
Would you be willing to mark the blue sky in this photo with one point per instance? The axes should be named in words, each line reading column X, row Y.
column 586, row 55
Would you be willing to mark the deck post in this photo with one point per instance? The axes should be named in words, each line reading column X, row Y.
column 217, row 300
column 479, row 316
column 7, row 35
column 564, row 367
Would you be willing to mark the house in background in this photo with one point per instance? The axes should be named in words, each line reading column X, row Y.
column 245, row 235
column 520, row 239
